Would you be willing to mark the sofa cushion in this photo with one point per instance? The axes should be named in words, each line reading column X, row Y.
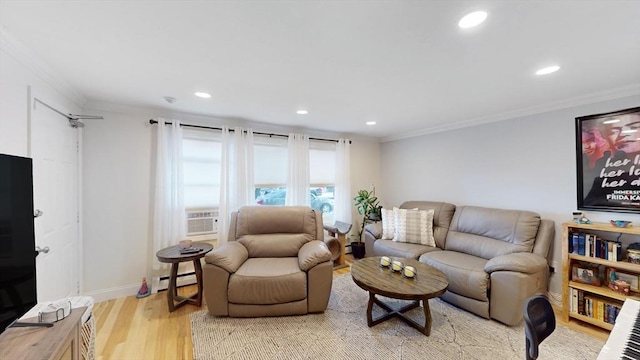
column 465, row 272
column 287, row 219
column 414, row 226
column 265, row 281
column 487, row 232
column 273, row 245
column 398, row 249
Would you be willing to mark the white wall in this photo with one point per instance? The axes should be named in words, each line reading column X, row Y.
column 526, row 163
column 365, row 173
column 117, row 245
column 118, row 186
column 13, row 106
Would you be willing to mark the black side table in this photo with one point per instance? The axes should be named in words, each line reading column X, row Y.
column 173, row 256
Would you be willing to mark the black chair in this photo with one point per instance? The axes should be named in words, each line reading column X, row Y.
column 539, row 323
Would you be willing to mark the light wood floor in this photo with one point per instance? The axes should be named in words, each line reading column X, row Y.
column 130, row 328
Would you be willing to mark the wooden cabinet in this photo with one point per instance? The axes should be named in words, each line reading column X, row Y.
column 61, row 341
column 599, row 294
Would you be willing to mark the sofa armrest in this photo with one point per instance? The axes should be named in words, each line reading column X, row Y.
column 527, row 263
column 374, row 229
column 372, row 233
column 313, row 253
column 228, row 256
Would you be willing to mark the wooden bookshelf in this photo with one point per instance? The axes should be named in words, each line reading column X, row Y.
column 608, row 232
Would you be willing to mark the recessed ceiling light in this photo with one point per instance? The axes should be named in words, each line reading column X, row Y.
column 630, row 131
column 612, row 121
column 548, row 70
column 302, row 112
column 203, row 95
column 473, row 19
column 370, row 122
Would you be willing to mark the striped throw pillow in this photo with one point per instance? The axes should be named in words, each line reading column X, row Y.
column 414, row 226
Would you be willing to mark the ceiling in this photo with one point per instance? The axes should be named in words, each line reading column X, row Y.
column 403, row 64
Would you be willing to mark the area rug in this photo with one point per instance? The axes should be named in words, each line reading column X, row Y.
column 341, row 332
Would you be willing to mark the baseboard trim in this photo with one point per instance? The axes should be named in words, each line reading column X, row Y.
column 182, row 280
column 113, row 293
column 555, row 299
column 131, row 290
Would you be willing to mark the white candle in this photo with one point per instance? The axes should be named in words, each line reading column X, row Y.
column 409, row 271
column 396, row 265
column 385, row 261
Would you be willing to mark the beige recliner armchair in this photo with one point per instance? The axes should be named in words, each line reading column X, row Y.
column 275, row 263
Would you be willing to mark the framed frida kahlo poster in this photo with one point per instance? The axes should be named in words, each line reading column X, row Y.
column 608, row 161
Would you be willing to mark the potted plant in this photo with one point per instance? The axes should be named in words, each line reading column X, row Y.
column 367, row 204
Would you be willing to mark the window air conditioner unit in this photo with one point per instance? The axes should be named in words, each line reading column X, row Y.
column 202, row 222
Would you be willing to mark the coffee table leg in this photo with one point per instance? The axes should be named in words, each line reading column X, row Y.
column 372, row 299
column 172, row 291
column 399, row 313
column 427, row 317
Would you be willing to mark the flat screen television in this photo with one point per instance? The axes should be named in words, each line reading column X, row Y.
column 17, row 239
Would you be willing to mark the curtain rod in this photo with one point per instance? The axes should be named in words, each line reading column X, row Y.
column 257, row 133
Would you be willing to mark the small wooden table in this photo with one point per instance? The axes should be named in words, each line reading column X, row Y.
column 173, row 256
column 428, row 283
column 61, row 341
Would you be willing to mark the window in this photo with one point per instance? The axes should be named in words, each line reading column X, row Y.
column 201, row 173
column 322, row 176
column 270, row 162
column 270, row 171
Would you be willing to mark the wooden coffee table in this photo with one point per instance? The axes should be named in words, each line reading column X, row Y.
column 173, row 256
column 428, row 283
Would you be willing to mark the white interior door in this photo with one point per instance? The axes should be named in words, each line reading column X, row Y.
column 54, row 149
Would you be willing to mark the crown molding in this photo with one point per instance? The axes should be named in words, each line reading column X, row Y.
column 606, row 95
column 28, row 58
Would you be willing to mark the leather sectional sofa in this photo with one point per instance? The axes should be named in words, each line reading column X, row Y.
column 494, row 258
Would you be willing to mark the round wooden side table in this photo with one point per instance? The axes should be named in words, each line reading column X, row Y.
column 173, row 256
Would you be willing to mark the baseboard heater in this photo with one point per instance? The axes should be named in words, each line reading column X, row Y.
column 183, row 280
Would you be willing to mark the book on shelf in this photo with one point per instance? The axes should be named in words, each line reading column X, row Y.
column 589, row 305
column 581, row 302
column 590, row 245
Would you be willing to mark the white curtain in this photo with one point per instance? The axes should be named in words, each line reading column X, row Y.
column 237, row 178
column 168, row 213
column 343, row 199
column 298, row 170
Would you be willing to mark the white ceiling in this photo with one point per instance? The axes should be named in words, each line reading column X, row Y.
column 404, row 64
